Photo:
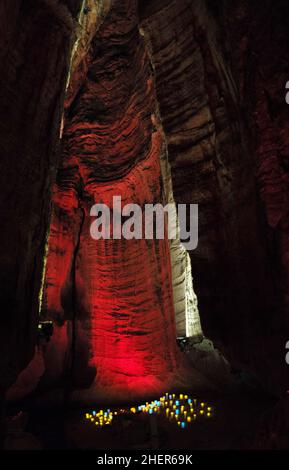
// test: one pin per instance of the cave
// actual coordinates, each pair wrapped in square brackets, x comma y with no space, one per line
[145,225]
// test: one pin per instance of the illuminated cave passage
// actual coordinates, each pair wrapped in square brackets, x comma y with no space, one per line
[157,102]
[112,301]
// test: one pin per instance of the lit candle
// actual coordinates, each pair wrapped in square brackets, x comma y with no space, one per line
[167,411]
[189,419]
[181,397]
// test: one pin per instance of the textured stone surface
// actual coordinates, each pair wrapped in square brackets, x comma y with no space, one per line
[116,294]
[204,65]
[221,101]
[34,55]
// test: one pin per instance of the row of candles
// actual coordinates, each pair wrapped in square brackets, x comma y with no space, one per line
[181,409]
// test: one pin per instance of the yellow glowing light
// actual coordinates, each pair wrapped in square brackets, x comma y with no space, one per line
[180,412]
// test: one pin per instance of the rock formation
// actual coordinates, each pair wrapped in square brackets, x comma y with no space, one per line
[167,101]
[112,300]
[35,44]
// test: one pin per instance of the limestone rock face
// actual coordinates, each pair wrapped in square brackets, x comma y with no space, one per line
[116,295]
[167,101]
[222,106]
[188,67]
[35,40]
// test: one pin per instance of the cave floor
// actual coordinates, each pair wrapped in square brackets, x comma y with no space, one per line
[233,426]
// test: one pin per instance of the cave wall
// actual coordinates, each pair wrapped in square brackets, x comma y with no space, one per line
[35,43]
[111,300]
[224,117]
[228,156]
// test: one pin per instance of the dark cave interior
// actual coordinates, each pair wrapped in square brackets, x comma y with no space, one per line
[175,101]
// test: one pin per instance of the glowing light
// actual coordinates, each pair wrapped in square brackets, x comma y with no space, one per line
[160,407]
